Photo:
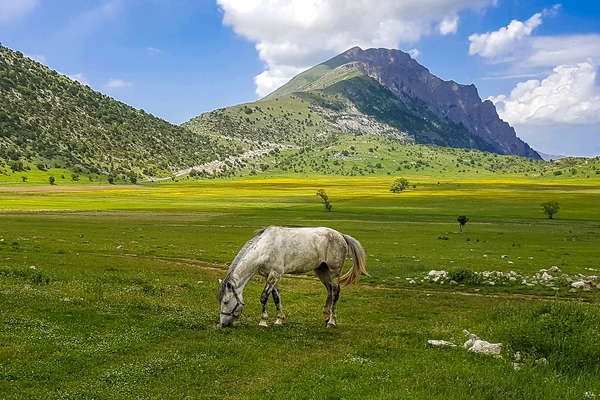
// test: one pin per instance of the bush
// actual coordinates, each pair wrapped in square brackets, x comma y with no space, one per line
[462,221]
[550,208]
[321,193]
[567,335]
[52,180]
[465,276]
[399,185]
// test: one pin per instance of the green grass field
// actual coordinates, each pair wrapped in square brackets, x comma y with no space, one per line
[109,292]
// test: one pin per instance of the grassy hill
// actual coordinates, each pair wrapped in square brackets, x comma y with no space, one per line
[49,121]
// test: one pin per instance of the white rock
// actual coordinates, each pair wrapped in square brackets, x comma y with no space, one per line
[476,345]
[541,361]
[503,256]
[440,343]
[517,366]
[593,277]
[32,267]
[578,284]
[434,273]
[412,282]
[554,268]
[546,277]
[510,262]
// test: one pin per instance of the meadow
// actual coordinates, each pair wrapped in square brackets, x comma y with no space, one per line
[109,291]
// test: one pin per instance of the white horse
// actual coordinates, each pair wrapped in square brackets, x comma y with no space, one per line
[277,250]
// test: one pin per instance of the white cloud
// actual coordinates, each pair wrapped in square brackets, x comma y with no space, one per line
[295,34]
[268,81]
[10,9]
[79,78]
[117,84]
[502,41]
[448,25]
[569,95]
[153,51]
[414,53]
[548,51]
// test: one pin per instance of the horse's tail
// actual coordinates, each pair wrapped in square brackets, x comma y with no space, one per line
[358,256]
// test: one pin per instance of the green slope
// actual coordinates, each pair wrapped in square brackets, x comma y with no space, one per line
[49,120]
[304,80]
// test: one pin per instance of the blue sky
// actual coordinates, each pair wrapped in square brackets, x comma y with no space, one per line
[177,59]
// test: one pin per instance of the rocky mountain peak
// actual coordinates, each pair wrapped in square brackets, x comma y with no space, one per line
[449,100]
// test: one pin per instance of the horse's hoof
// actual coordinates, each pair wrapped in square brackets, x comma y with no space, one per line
[278,321]
[263,323]
[330,325]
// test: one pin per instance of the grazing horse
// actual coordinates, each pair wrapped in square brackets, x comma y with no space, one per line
[277,250]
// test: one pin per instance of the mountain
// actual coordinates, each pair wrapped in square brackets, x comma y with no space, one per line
[395,89]
[550,157]
[47,120]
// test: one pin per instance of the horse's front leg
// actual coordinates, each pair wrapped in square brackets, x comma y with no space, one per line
[277,301]
[264,298]
[272,280]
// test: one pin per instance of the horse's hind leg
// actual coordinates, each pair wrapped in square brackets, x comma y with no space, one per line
[277,301]
[324,276]
[335,293]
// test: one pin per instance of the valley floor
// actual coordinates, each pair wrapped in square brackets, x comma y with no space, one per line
[109,291]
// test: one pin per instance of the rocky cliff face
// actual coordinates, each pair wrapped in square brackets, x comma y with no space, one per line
[448,100]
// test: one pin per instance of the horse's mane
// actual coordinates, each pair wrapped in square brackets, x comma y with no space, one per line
[235,263]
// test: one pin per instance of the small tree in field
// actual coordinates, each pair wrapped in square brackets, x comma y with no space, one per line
[52,180]
[462,221]
[399,185]
[321,193]
[550,208]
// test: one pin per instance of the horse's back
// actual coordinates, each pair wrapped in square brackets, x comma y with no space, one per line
[301,249]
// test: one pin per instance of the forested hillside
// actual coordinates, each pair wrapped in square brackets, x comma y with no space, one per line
[48,120]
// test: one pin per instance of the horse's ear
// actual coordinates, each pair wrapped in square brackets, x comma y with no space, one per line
[220,281]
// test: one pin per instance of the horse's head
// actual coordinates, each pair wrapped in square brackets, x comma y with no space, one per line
[232,302]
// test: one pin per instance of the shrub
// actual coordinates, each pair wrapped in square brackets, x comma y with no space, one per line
[550,208]
[462,221]
[465,276]
[399,185]
[566,335]
[321,193]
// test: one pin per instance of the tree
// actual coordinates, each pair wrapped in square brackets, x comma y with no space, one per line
[550,208]
[462,221]
[52,180]
[24,178]
[321,193]
[399,185]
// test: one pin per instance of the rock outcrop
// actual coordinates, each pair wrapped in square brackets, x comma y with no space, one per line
[448,100]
